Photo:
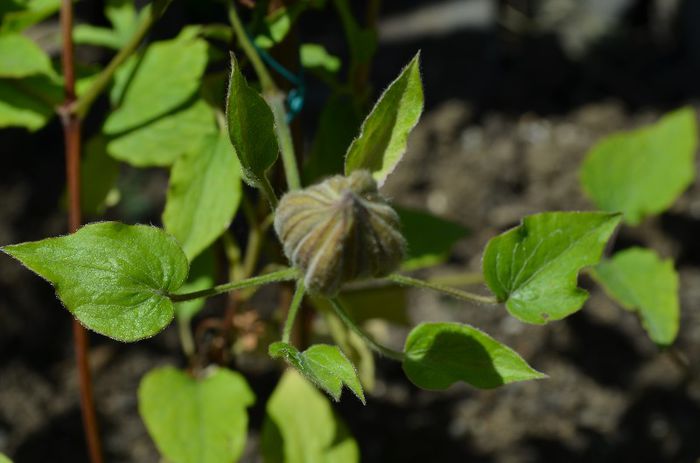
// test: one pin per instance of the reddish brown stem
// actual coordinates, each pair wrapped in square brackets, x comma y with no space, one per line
[71,130]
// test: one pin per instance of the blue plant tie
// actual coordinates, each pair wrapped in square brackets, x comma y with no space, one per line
[296,97]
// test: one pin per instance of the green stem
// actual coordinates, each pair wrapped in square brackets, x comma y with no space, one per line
[284,136]
[266,82]
[456,293]
[458,279]
[374,345]
[274,98]
[286,274]
[293,310]
[83,104]
[186,338]
[266,188]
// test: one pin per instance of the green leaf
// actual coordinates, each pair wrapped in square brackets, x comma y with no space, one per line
[203,195]
[430,238]
[300,426]
[352,346]
[389,303]
[98,176]
[4,459]
[640,281]
[534,266]
[324,365]
[123,16]
[202,276]
[166,139]
[114,278]
[167,76]
[21,57]
[278,23]
[440,354]
[31,12]
[384,133]
[340,119]
[251,127]
[196,420]
[28,102]
[642,172]
[314,55]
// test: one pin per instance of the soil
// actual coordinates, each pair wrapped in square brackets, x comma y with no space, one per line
[503,136]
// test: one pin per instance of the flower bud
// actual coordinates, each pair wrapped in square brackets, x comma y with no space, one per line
[338,231]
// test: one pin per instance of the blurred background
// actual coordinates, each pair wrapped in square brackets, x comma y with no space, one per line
[516,93]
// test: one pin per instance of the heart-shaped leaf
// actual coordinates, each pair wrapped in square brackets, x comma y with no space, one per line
[196,420]
[440,354]
[533,268]
[114,278]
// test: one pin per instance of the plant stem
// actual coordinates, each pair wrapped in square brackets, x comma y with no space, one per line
[71,129]
[286,144]
[83,104]
[374,345]
[266,82]
[274,98]
[293,310]
[266,187]
[456,293]
[286,274]
[186,338]
[458,279]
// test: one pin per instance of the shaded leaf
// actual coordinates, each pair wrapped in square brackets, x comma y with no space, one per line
[167,76]
[196,420]
[384,133]
[640,281]
[430,238]
[30,12]
[642,172]
[440,354]
[339,122]
[166,139]
[28,102]
[300,426]
[113,278]
[98,176]
[533,268]
[324,365]
[251,127]
[203,195]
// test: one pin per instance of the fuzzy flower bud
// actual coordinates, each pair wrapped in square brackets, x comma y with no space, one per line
[338,231]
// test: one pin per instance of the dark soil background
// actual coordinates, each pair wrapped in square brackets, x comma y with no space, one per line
[515,98]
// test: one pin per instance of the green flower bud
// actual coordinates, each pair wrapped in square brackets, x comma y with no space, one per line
[338,231]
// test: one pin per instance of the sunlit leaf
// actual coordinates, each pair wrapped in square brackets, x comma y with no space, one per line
[533,268]
[324,365]
[203,195]
[300,426]
[642,172]
[113,278]
[167,76]
[201,420]
[640,281]
[21,57]
[384,133]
